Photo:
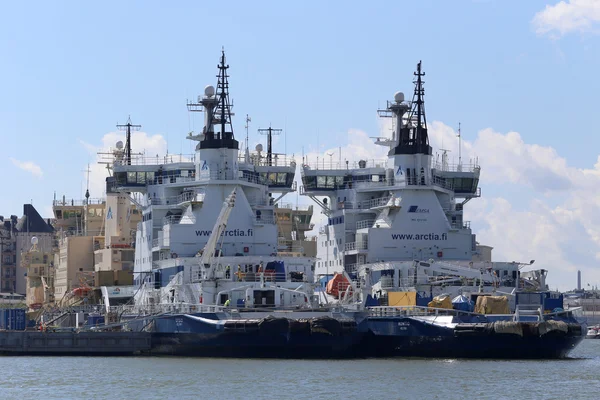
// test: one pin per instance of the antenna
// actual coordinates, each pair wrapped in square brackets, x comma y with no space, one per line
[87,188]
[330,154]
[224,107]
[128,127]
[444,159]
[247,126]
[269,132]
[459,150]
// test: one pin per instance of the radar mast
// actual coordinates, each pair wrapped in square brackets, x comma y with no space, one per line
[412,137]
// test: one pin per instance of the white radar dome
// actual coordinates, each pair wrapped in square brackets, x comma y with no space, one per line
[34,240]
[209,91]
[259,147]
[399,97]
[119,145]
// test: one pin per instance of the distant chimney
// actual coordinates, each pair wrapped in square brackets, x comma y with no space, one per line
[579,280]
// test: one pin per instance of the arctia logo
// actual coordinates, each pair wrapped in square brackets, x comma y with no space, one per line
[416,209]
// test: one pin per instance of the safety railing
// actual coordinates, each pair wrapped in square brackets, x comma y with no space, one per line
[165,308]
[336,164]
[461,225]
[364,224]
[256,276]
[186,196]
[291,206]
[346,205]
[356,246]
[526,312]
[353,267]
[408,311]
[73,202]
[264,220]
[262,160]
[179,219]
[378,202]
[446,167]
[156,160]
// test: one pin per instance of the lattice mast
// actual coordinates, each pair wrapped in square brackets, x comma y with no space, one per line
[128,128]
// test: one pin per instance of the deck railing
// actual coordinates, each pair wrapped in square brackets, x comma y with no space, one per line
[356,246]
[407,311]
[365,224]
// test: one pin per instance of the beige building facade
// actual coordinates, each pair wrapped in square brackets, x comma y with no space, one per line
[75,257]
[94,236]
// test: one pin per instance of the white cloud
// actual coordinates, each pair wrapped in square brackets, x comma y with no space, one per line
[28,166]
[150,146]
[560,229]
[568,16]
[506,158]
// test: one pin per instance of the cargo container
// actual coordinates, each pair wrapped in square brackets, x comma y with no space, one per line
[13,319]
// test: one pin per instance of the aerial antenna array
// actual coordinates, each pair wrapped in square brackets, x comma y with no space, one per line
[270,132]
[128,128]
[247,126]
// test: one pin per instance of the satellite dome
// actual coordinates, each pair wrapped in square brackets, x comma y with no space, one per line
[399,97]
[120,145]
[34,240]
[209,91]
[259,147]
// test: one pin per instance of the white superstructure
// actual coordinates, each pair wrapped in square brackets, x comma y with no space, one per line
[401,220]
[182,200]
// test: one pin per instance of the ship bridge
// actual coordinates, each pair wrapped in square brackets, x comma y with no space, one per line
[462,179]
[180,170]
[142,171]
[362,175]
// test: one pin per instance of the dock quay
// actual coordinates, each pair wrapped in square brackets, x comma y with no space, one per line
[74,343]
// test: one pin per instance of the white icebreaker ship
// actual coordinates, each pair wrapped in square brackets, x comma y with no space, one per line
[399,222]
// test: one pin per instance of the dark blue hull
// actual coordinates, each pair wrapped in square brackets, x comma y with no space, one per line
[267,338]
[256,346]
[412,338]
[205,335]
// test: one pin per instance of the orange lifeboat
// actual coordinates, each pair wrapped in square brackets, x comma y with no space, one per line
[338,284]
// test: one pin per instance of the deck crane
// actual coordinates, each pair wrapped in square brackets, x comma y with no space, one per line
[208,262]
[449,270]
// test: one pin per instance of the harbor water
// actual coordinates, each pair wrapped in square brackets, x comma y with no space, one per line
[197,378]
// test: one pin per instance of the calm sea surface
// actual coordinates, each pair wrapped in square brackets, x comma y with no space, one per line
[191,378]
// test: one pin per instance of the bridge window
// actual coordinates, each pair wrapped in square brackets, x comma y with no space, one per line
[272,178]
[281,178]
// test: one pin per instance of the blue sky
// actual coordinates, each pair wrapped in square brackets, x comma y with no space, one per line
[72,70]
